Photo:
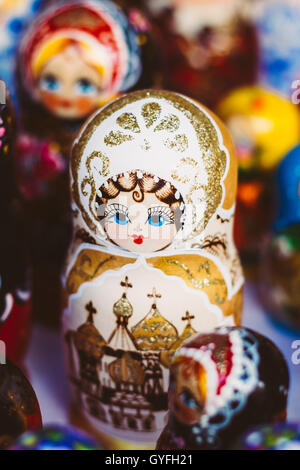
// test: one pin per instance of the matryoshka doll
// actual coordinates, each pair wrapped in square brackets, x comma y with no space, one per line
[19,408]
[15,305]
[152,261]
[280,263]
[222,383]
[208,47]
[73,59]
[264,126]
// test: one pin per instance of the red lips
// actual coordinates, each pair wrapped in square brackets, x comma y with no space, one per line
[138,240]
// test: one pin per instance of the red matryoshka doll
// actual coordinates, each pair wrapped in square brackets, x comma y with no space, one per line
[221,384]
[75,57]
[152,261]
[15,305]
[208,47]
[19,408]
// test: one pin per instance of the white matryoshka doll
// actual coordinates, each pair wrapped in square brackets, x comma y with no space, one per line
[154,178]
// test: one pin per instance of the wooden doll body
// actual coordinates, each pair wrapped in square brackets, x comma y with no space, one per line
[152,260]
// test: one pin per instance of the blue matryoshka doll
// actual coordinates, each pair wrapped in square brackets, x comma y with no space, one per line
[281,256]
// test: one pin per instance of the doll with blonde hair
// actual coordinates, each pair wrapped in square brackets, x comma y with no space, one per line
[75,58]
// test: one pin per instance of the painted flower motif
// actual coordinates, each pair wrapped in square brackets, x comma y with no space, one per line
[151,120]
[38,163]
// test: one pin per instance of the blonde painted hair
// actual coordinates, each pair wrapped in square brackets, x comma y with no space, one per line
[52,47]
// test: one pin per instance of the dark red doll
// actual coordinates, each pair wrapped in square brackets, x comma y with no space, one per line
[15,306]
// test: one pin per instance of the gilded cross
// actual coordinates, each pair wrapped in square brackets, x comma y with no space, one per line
[154,295]
[188,317]
[126,284]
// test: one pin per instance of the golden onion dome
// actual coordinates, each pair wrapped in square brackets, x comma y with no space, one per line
[87,339]
[123,308]
[154,332]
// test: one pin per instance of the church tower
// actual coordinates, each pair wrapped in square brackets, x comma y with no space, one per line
[154,332]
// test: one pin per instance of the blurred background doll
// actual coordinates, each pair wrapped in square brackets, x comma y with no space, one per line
[15,15]
[280,264]
[73,59]
[278,26]
[282,436]
[208,47]
[264,126]
[19,407]
[15,305]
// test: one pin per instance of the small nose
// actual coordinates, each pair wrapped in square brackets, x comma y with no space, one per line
[137,227]
[67,91]
[138,215]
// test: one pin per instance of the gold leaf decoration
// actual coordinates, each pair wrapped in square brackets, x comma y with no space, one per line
[116,138]
[151,113]
[103,158]
[183,165]
[170,123]
[179,143]
[128,122]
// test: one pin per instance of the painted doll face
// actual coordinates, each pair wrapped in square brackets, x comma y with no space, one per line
[141,227]
[68,86]
[187,391]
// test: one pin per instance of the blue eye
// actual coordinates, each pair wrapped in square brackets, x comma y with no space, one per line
[188,400]
[117,213]
[50,83]
[121,218]
[85,87]
[157,220]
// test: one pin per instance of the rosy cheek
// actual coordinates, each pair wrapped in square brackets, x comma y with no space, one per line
[168,232]
[50,100]
[116,232]
[85,105]
[187,414]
